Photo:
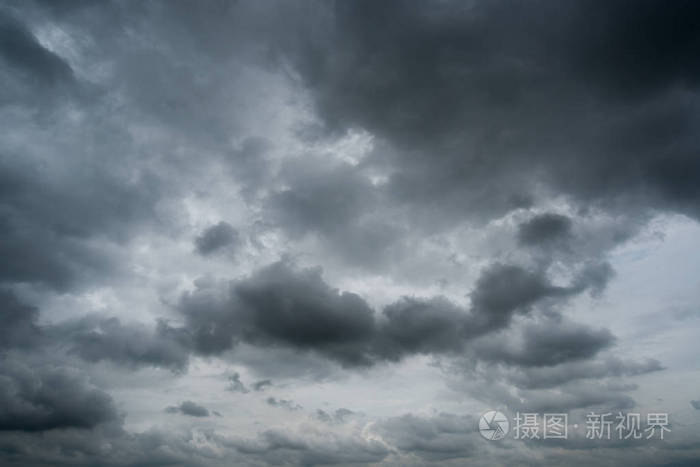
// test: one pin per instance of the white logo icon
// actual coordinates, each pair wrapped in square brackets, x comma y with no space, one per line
[493,425]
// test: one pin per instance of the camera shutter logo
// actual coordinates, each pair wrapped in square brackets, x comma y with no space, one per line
[493,425]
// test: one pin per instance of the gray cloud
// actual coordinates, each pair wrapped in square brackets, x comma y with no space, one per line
[188,408]
[20,327]
[262,384]
[283,403]
[591,394]
[276,446]
[215,238]
[46,398]
[338,416]
[547,344]
[133,345]
[280,306]
[29,68]
[471,107]
[556,375]
[544,229]
[236,385]
[437,438]
[561,129]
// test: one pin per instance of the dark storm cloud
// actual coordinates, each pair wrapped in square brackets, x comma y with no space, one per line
[19,322]
[412,326]
[503,289]
[547,344]
[695,404]
[596,103]
[130,344]
[437,326]
[287,308]
[20,48]
[28,67]
[76,183]
[544,228]
[110,117]
[45,398]
[215,238]
[189,408]
[282,306]
[304,312]
[54,218]
[277,306]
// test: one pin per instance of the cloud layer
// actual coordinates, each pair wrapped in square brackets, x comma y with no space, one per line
[310,233]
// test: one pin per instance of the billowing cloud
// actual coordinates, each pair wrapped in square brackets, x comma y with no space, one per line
[442,437]
[547,344]
[215,238]
[471,107]
[236,385]
[545,228]
[20,327]
[281,306]
[311,448]
[188,408]
[404,208]
[46,398]
[282,403]
[133,345]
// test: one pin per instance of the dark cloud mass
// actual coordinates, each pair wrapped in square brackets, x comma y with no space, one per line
[442,437]
[215,238]
[548,345]
[19,322]
[236,385]
[544,228]
[188,408]
[262,384]
[507,94]
[27,60]
[281,306]
[38,399]
[412,209]
[283,403]
[134,345]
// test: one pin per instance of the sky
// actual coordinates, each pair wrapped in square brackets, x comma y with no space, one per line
[309,233]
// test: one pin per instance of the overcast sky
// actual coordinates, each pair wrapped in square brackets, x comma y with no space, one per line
[334,233]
